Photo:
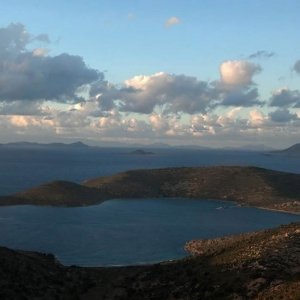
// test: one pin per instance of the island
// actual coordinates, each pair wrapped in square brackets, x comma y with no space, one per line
[251,186]
[141,152]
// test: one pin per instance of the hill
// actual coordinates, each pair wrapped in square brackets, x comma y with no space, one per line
[292,151]
[261,265]
[56,193]
[245,185]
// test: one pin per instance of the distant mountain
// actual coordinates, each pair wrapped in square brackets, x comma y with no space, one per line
[292,151]
[158,145]
[192,147]
[28,145]
[251,147]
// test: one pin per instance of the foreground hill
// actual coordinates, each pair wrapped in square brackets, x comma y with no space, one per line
[246,185]
[262,265]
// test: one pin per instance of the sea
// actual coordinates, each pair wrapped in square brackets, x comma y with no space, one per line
[124,231]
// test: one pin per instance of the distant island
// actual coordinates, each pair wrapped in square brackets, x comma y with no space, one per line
[141,152]
[249,186]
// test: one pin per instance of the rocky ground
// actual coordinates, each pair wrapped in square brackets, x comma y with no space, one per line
[261,265]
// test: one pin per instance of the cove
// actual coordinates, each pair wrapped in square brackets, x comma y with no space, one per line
[128,232]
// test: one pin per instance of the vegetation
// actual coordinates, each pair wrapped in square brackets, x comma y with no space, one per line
[245,185]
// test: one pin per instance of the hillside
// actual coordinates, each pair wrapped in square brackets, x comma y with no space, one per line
[294,150]
[261,265]
[57,193]
[245,185]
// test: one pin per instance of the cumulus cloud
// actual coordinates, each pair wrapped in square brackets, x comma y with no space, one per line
[261,54]
[172,93]
[285,97]
[240,97]
[172,21]
[256,117]
[22,108]
[236,84]
[32,75]
[28,123]
[40,52]
[238,72]
[282,115]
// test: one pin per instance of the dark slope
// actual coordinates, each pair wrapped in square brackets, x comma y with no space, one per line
[263,265]
[60,193]
[294,150]
[246,185]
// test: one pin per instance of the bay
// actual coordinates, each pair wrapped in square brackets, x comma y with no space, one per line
[127,232]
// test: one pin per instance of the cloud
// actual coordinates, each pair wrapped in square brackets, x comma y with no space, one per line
[22,108]
[27,122]
[285,97]
[256,117]
[297,66]
[261,54]
[40,52]
[282,115]
[170,93]
[172,21]
[175,93]
[241,98]
[236,84]
[238,72]
[32,75]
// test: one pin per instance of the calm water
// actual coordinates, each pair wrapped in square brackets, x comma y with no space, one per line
[122,232]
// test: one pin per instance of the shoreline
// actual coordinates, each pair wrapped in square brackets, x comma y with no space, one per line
[278,210]
[234,203]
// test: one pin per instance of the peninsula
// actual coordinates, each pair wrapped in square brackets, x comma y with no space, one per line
[249,186]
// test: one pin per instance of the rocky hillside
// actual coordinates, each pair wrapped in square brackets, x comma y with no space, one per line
[246,185]
[262,265]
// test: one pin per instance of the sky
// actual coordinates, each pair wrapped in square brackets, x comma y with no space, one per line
[214,73]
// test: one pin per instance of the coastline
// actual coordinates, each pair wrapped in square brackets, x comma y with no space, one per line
[279,210]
